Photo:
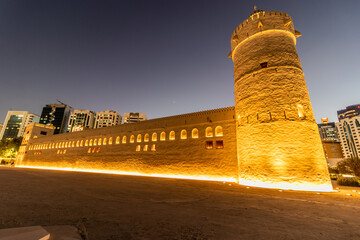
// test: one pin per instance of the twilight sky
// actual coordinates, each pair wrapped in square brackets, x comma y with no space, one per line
[161,57]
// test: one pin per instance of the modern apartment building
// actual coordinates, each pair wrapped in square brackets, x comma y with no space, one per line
[328,130]
[107,118]
[56,115]
[134,117]
[349,131]
[16,122]
[80,119]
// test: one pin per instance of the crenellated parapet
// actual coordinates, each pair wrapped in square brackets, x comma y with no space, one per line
[260,22]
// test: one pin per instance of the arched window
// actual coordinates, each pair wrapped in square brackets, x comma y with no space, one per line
[146,137]
[86,143]
[183,134]
[104,141]
[69,144]
[56,145]
[132,139]
[172,135]
[117,140]
[66,144]
[138,148]
[95,142]
[110,140]
[77,143]
[195,133]
[301,111]
[93,150]
[124,139]
[219,131]
[73,144]
[154,137]
[89,150]
[81,143]
[99,141]
[209,132]
[91,142]
[98,149]
[162,136]
[138,139]
[153,148]
[146,147]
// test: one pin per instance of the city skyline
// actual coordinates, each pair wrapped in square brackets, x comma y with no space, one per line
[160,58]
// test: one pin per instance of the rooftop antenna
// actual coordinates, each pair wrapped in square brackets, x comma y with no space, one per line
[60,101]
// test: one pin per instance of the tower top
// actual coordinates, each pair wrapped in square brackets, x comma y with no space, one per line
[256,10]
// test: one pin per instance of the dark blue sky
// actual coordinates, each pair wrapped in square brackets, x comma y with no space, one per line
[161,57]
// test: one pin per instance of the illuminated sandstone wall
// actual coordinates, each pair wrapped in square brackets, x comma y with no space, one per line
[278,143]
[185,157]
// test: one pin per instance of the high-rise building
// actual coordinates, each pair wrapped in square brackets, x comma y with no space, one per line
[56,115]
[16,122]
[107,118]
[349,130]
[349,112]
[134,117]
[328,130]
[80,119]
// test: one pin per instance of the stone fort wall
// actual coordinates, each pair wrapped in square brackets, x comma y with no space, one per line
[201,145]
[278,143]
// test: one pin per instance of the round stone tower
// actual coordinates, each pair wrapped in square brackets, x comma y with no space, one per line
[278,142]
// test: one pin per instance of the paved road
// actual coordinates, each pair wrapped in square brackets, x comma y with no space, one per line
[124,207]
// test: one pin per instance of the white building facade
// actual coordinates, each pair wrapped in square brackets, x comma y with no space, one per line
[134,117]
[107,118]
[80,119]
[16,122]
[349,133]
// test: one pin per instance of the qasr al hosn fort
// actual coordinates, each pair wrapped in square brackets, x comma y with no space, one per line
[269,139]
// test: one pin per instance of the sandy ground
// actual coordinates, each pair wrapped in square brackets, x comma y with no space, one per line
[125,207]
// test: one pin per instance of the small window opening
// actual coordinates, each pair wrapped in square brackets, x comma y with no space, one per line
[209,132]
[172,135]
[209,145]
[300,111]
[264,65]
[195,133]
[219,144]
[154,137]
[146,137]
[163,136]
[219,131]
[183,134]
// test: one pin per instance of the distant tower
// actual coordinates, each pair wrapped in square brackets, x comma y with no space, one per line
[278,142]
